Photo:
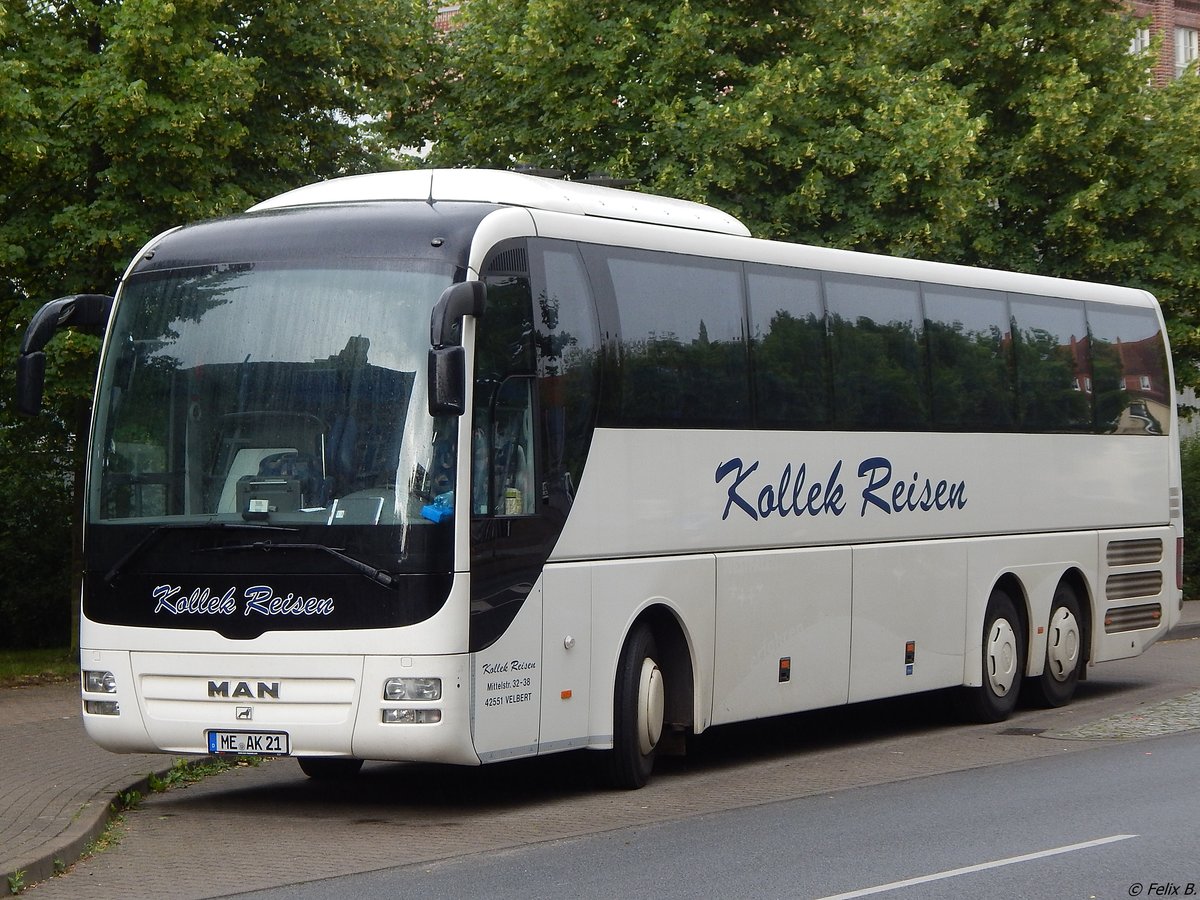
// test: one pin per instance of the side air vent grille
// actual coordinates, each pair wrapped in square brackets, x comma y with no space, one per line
[1133,553]
[508,262]
[1133,618]
[1133,584]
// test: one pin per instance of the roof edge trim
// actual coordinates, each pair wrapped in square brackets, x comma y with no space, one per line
[510,189]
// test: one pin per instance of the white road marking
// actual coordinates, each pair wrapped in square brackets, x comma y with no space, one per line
[967,870]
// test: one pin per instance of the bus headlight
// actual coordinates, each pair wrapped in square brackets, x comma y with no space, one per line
[99,682]
[412,689]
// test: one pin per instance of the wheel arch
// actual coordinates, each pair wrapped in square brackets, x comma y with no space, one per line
[676,663]
[1078,582]
[1011,585]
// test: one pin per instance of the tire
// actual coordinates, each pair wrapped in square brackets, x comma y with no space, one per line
[329,768]
[639,701]
[1002,663]
[1064,652]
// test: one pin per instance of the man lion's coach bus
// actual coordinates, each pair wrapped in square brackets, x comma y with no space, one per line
[464,466]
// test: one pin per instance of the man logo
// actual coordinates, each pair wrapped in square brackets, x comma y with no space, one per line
[263,691]
[244,713]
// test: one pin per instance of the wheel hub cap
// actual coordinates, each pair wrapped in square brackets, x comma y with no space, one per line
[1062,644]
[651,703]
[1001,657]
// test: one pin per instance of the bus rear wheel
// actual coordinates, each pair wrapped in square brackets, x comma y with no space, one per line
[1002,664]
[639,704]
[329,768]
[1064,652]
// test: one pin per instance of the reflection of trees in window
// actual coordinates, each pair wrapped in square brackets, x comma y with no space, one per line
[682,358]
[694,383]
[184,296]
[567,378]
[972,381]
[789,347]
[1053,364]
[877,352]
[877,374]
[1111,398]
[504,338]
[791,372]
[1048,380]
[504,348]
[567,360]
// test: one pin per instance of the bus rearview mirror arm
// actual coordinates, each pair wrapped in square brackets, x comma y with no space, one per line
[86,312]
[448,359]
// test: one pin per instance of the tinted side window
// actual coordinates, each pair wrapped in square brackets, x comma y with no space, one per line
[567,358]
[878,353]
[504,361]
[1129,371]
[788,346]
[682,357]
[970,359]
[1053,366]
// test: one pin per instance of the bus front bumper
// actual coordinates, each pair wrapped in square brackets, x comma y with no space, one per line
[410,708]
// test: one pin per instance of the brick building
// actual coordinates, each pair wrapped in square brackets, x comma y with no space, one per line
[1178,22]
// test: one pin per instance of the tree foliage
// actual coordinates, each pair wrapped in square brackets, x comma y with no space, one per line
[776,115]
[121,118]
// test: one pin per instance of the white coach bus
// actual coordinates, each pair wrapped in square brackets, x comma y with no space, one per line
[463,466]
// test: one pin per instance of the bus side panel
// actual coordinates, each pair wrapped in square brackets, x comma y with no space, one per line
[506,685]
[685,585]
[908,618]
[566,657]
[775,606]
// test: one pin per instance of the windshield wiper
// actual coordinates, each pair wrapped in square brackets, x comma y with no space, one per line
[157,532]
[387,579]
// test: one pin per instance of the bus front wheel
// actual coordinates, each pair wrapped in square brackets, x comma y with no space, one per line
[639,703]
[1002,661]
[1064,652]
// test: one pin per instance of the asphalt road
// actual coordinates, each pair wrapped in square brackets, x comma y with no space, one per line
[1116,821]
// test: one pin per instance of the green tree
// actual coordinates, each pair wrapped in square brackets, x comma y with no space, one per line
[777,116]
[121,118]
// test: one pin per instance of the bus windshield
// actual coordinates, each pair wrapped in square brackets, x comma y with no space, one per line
[289,394]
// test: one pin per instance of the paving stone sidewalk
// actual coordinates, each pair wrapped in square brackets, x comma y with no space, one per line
[55,784]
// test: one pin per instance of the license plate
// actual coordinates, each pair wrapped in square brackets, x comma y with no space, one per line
[248,743]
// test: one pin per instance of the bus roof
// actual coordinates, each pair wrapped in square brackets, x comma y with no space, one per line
[510,189]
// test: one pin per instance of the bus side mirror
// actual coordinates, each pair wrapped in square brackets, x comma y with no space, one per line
[447,381]
[87,312]
[447,359]
[467,298]
[31,378]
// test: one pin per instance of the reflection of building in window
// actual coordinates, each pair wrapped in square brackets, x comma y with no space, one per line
[1142,383]
[1141,363]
